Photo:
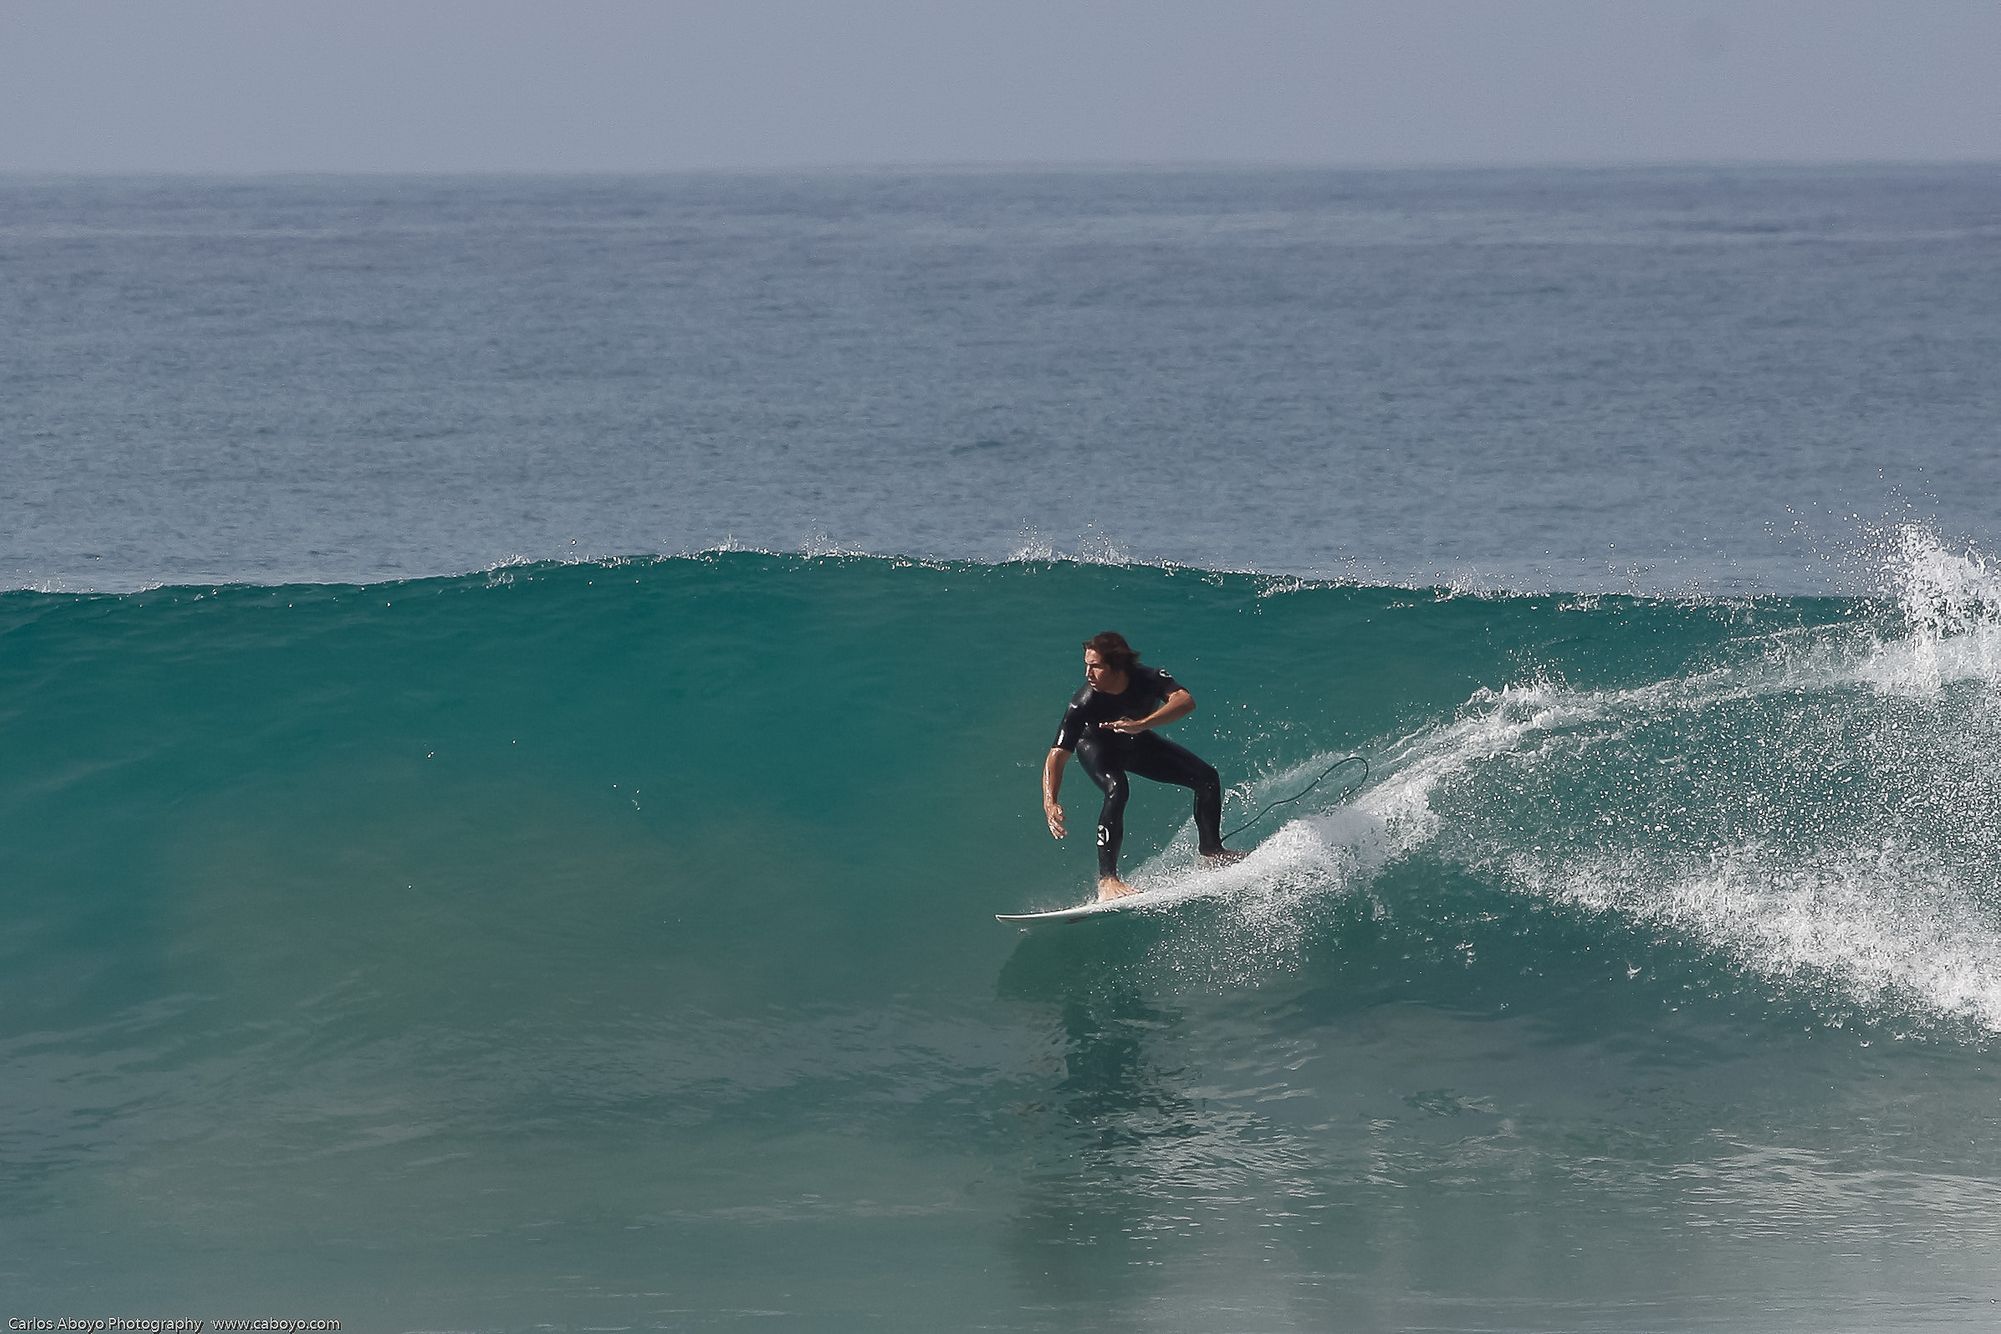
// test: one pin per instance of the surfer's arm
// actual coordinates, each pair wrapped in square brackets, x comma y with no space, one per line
[1052,783]
[1177,705]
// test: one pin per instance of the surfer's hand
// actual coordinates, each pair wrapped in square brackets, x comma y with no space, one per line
[1054,814]
[1125,726]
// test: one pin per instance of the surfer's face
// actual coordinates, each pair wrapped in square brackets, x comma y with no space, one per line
[1102,675]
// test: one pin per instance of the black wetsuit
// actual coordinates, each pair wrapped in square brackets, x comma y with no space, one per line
[1109,756]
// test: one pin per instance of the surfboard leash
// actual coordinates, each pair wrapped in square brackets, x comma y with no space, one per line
[1287,801]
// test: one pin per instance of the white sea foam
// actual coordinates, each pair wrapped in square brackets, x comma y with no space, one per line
[1819,809]
[1883,922]
[1950,604]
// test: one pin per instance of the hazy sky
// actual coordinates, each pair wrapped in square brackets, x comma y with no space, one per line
[498,85]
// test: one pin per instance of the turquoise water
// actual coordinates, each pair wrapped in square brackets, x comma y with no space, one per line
[520,700]
[610,945]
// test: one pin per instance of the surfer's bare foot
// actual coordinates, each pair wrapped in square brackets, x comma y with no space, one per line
[1111,887]
[1223,857]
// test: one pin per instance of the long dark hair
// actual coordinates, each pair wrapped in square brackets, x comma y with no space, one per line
[1113,651]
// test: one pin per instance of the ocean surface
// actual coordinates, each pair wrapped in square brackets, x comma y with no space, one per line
[520,699]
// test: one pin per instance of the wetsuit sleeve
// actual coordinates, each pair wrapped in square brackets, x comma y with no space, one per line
[1160,685]
[1071,729]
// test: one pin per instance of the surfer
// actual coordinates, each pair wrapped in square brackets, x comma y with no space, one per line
[1110,725]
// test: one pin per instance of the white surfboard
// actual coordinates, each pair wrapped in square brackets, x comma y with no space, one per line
[1078,913]
[1198,884]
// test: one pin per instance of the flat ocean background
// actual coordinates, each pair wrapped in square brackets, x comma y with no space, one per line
[519,699]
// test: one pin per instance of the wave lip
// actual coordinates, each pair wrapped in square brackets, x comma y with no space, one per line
[1950,608]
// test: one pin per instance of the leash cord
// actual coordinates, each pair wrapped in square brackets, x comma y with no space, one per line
[1345,760]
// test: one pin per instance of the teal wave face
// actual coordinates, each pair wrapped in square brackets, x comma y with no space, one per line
[656,897]
[775,754]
